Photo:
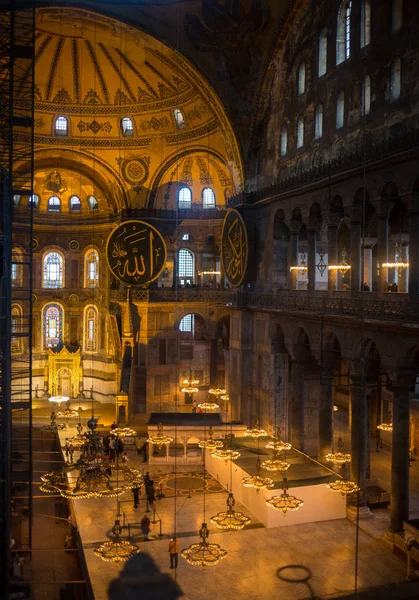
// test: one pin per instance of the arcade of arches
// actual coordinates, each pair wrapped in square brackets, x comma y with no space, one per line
[319,343]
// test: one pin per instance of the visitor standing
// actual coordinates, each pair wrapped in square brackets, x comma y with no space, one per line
[150,491]
[144,451]
[174,552]
[145,527]
[136,496]
[194,406]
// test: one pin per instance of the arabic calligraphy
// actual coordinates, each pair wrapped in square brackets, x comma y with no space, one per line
[234,247]
[136,252]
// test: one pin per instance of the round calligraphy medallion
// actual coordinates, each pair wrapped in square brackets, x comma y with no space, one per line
[234,247]
[134,171]
[136,252]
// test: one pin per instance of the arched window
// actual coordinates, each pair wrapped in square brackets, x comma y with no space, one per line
[301,79]
[61,126]
[16,324]
[186,267]
[365,23]
[343,35]
[187,324]
[300,132]
[91,269]
[366,95]
[340,110]
[33,200]
[90,329]
[54,204]
[284,141]
[395,79]
[127,126]
[322,58]
[396,15]
[93,205]
[53,270]
[318,122]
[208,198]
[75,204]
[185,237]
[16,200]
[185,198]
[16,274]
[179,118]
[53,325]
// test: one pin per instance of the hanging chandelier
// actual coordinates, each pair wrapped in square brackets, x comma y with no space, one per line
[68,413]
[385,426]
[216,391]
[91,476]
[116,550]
[203,553]
[343,266]
[255,432]
[160,439]
[256,481]
[190,385]
[53,427]
[210,444]
[398,264]
[277,445]
[58,399]
[339,458]
[302,267]
[123,432]
[226,455]
[335,408]
[225,397]
[79,439]
[275,464]
[284,502]
[343,486]
[230,519]
[208,406]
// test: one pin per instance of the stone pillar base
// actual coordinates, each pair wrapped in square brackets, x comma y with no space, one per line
[364,512]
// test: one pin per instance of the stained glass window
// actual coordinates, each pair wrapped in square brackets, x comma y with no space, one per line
[343,36]
[91,269]
[90,331]
[53,270]
[16,328]
[53,325]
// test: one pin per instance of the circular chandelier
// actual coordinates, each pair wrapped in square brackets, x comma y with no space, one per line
[58,399]
[225,397]
[230,519]
[284,502]
[123,432]
[203,553]
[116,550]
[339,458]
[335,408]
[256,481]
[217,391]
[208,406]
[226,455]
[255,432]
[277,445]
[385,426]
[53,427]
[190,385]
[275,464]
[160,439]
[343,486]
[210,444]
[189,390]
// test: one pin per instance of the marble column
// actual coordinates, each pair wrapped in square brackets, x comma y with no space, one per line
[382,207]
[358,501]
[297,402]
[326,412]
[332,242]
[198,267]
[355,256]
[311,260]
[399,506]
[413,250]
[213,363]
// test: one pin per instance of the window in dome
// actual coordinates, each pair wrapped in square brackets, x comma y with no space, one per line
[340,110]
[318,122]
[33,200]
[343,36]
[61,126]
[395,79]
[208,198]
[284,141]
[365,23]
[93,205]
[185,198]
[179,118]
[54,204]
[322,58]
[75,204]
[53,325]
[301,79]
[53,270]
[91,269]
[187,323]
[16,325]
[366,95]
[397,15]
[300,132]
[127,126]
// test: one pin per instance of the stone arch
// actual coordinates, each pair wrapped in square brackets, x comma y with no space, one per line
[281,231]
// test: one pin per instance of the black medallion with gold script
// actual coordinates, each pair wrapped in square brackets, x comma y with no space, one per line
[234,247]
[136,252]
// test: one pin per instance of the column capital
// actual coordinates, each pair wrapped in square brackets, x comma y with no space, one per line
[328,360]
[295,226]
[382,206]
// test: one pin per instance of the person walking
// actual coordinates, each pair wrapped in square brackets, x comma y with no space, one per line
[194,406]
[112,450]
[174,552]
[145,527]
[136,495]
[146,479]
[151,494]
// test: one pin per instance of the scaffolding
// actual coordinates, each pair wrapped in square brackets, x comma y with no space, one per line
[17,86]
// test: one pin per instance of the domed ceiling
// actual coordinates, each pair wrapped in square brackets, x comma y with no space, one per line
[95,71]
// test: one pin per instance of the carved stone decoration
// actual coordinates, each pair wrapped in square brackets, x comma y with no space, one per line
[94,126]
[134,171]
[74,299]
[73,245]
[230,31]
[234,247]
[136,252]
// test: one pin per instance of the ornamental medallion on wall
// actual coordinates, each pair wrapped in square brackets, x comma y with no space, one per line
[136,253]
[234,247]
